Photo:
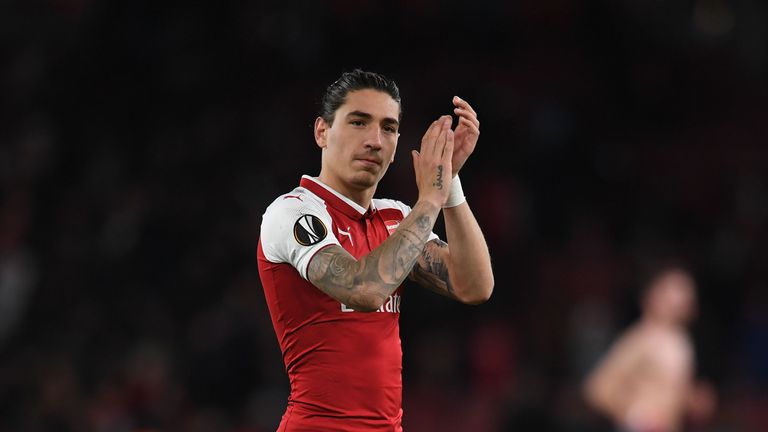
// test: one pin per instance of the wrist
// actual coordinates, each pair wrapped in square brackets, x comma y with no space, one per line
[430,206]
[456,195]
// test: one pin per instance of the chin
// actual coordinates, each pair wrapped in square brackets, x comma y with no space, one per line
[364,180]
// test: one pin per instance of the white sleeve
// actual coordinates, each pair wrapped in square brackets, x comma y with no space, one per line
[294,229]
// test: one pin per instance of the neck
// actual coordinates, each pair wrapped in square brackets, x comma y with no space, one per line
[362,196]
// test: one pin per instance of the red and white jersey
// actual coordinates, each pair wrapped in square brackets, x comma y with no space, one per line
[344,366]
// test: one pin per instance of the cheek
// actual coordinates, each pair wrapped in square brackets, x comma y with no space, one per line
[392,148]
[336,142]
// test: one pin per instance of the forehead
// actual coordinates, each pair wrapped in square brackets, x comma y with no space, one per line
[374,102]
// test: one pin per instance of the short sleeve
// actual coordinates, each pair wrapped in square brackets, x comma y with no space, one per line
[293,229]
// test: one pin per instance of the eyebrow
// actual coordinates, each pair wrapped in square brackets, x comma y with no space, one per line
[367,116]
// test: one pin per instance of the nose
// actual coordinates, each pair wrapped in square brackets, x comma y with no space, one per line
[373,138]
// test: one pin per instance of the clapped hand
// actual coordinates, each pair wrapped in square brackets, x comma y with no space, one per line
[432,163]
[466,134]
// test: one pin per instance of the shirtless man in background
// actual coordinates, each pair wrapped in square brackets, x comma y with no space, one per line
[645,381]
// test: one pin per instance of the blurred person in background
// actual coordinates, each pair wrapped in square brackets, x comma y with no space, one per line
[645,382]
[332,258]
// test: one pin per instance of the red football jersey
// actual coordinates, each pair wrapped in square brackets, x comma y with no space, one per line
[344,366]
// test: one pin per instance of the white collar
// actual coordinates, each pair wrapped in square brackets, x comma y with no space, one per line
[351,203]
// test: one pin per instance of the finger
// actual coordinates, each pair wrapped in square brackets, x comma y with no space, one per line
[462,113]
[448,121]
[440,142]
[448,152]
[461,103]
[448,124]
[428,141]
[474,128]
[468,145]
[415,154]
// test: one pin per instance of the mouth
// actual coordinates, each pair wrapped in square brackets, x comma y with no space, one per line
[371,162]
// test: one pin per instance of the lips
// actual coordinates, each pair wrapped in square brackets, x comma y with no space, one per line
[370,160]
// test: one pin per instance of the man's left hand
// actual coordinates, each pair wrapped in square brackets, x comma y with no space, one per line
[466,134]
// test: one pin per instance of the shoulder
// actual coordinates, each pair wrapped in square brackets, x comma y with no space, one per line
[297,198]
[298,207]
[293,227]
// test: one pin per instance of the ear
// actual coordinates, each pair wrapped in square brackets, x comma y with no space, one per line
[321,132]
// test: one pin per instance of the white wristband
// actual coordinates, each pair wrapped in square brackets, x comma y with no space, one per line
[456,196]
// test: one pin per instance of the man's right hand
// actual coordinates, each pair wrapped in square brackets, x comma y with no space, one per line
[432,163]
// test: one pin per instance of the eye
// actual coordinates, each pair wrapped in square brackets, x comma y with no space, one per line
[357,123]
[390,129]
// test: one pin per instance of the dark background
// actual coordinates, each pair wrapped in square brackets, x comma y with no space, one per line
[141,141]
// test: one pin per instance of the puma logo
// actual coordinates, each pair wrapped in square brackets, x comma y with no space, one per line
[346,233]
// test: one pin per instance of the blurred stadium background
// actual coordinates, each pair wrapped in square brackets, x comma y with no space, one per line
[141,141]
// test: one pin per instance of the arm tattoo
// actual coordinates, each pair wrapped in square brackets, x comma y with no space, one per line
[364,284]
[431,270]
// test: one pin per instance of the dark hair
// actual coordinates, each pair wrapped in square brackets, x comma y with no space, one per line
[336,93]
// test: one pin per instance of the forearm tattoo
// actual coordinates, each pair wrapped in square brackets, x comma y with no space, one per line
[431,270]
[361,284]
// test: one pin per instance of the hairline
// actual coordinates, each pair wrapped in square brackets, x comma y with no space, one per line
[346,99]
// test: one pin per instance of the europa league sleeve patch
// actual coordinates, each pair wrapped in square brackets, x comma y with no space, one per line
[309,230]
